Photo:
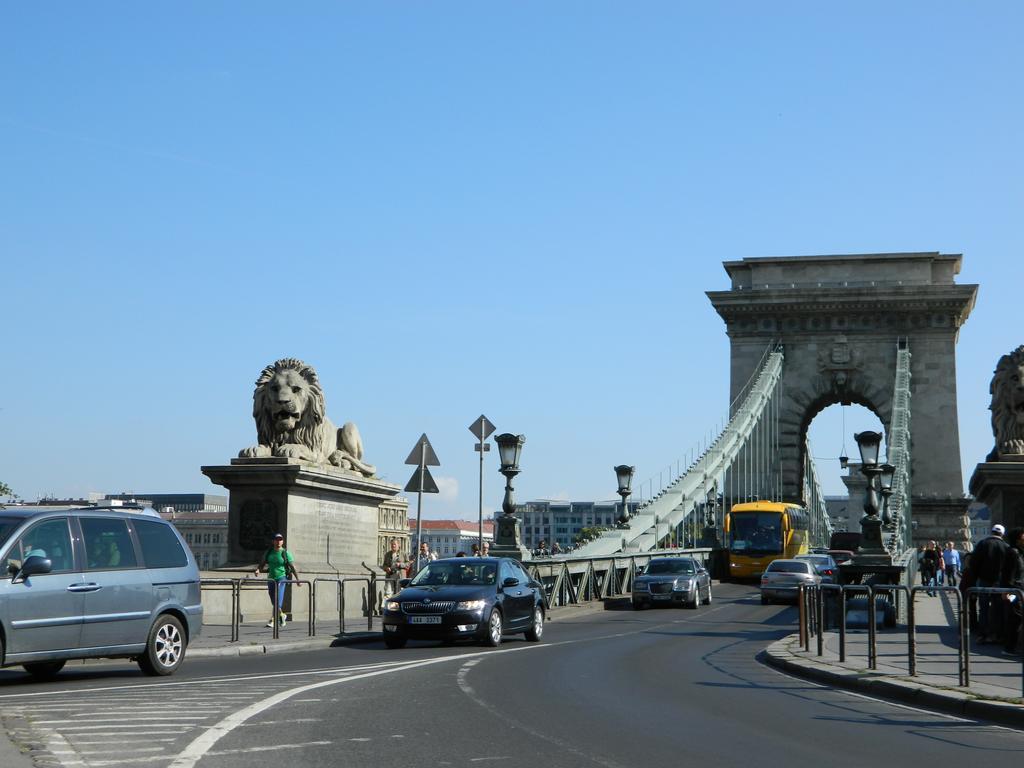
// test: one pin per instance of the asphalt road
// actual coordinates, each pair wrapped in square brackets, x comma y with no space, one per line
[614,689]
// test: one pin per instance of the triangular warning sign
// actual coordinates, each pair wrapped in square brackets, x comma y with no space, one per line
[429,486]
[423,451]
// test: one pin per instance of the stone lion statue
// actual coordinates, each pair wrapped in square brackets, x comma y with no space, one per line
[291,421]
[1007,406]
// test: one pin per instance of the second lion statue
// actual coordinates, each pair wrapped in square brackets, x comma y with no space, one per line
[1007,406]
[291,421]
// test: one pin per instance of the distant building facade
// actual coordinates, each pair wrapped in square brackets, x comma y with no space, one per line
[449,537]
[555,520]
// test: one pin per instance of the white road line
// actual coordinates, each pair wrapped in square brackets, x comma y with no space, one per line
[204,684]
[220,753]
[153,718]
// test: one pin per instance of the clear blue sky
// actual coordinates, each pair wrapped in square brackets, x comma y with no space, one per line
[461,208]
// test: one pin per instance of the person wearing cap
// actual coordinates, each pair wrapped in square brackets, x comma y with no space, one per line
[280,563]
[986,567]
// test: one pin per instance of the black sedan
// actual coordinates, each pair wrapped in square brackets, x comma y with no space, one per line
[480,598]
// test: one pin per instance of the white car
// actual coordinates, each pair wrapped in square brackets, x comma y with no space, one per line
[782,579]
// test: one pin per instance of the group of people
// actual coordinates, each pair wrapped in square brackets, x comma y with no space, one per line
[940,565]
[998,561]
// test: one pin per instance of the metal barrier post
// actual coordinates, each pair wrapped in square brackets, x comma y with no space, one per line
[802,617]
[842,624]
[872,629]
[899,589]
[819,608]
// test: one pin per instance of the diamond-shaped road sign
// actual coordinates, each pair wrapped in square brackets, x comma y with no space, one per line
[428,484]
[482,427]
[427,457]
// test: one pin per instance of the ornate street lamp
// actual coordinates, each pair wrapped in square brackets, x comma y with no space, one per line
[624,477]
[871,547]
[506,540]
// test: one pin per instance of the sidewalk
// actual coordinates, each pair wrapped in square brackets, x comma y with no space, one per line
[994,692]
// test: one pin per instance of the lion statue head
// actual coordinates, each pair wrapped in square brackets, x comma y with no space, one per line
[1007,406]
[291,420]
[288,405]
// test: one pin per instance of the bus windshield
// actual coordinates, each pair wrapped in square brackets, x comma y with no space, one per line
[756,533]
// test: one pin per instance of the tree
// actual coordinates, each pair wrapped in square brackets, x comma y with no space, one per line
[588,533]
[5,489]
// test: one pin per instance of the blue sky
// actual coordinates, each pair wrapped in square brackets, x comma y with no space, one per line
[461,208]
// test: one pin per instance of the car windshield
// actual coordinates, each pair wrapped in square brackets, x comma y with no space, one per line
[789,566]
[669,566]
[454,573]
[755,533]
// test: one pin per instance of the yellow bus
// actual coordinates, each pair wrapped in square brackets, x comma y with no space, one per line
[758,532]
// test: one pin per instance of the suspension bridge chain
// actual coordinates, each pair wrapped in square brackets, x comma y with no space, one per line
[741,463]
[898,454]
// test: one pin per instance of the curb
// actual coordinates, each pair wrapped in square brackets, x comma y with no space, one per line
[900,690]
[332,641]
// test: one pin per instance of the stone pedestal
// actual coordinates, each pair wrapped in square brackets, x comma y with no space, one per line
[941,519]
[507,542]
[1000,486]
[329,517]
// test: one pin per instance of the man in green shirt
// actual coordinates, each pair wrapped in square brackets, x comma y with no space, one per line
[279,563]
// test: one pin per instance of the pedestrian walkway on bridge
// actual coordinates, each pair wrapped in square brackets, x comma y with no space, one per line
[995,692]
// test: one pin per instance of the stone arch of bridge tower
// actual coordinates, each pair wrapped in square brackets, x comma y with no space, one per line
[838,319]
[805,398]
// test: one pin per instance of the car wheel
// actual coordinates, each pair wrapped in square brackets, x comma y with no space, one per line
[765,600]
[493,636]
[696,599]
[44,670]
[708,601]
[395,641]
[637,605]
[533,634]
[165,648]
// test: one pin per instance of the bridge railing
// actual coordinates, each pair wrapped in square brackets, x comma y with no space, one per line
[571,580]
[819,612]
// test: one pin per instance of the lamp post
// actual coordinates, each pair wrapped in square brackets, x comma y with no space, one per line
[871,550]
[506,540]
[624,477]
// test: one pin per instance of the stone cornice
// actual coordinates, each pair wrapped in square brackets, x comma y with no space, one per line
[904,300]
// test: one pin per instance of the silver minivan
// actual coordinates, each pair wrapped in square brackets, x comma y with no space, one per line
[95,582]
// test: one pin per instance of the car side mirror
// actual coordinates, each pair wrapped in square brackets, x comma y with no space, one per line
[510,581]
[36,564]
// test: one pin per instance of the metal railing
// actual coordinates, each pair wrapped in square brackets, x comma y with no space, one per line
[370,597]
[231,584]
[574,581]
[812,611]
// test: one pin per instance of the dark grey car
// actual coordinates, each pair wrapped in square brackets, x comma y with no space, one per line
[672,581]
[95,582]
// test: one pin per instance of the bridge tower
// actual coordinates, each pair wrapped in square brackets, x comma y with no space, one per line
[839,319]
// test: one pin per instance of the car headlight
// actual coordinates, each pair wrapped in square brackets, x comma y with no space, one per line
[392,605]
[683,585]
[470,605]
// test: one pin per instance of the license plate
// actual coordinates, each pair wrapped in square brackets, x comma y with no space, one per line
[424,619]
[662,597]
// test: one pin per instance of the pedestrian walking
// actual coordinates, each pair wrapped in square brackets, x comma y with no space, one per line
[986,567]
[1013,577]
[486,551]
[280,564]
[929,567]
[394,566]
[951,564]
